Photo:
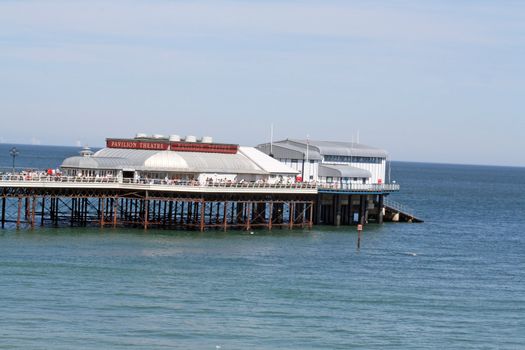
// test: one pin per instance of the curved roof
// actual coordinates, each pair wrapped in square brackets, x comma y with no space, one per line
[164,160]
[343,171]
[189,162]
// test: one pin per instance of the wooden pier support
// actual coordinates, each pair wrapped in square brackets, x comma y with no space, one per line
[362,210]
[81,207]
[337,210]
[203,211]
[380,208]
[19,212]
[3,210]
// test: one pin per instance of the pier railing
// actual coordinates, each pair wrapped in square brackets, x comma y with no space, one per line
[338,187]
[115,180]
[399,207]
[323,187]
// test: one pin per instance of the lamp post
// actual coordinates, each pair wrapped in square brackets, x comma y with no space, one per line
[14,152]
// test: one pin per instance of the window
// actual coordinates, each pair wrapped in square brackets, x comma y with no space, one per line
[329,179]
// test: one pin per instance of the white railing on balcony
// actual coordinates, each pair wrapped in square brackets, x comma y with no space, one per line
[359,187]
[335,187]
[115,180]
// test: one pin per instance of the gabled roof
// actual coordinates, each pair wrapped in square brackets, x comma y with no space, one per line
[283,150]
[296,148]
[269,164]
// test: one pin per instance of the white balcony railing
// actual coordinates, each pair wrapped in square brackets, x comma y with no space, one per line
[334,187]
[358,187]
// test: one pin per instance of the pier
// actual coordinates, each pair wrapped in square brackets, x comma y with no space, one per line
[111,202]
[154,181]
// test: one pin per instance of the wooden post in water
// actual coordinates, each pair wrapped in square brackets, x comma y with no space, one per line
[359,229]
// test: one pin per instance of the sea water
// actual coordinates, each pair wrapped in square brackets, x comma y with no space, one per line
[456,281]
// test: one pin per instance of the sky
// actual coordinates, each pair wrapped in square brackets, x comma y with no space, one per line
[429,81]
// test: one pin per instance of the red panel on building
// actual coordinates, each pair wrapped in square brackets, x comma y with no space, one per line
[133,144]
[174,146]
[204,147]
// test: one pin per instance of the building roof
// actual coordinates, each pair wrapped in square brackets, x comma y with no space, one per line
[343,171]
[295,148]
[247,161]
[268,164]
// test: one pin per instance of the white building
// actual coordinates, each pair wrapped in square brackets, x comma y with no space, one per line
[163,158]
[331,162]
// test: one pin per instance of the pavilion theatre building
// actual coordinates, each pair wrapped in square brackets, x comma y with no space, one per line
[178,159]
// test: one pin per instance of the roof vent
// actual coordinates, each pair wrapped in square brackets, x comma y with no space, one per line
[191,138]
[174,138]
[141,136]
[207,139]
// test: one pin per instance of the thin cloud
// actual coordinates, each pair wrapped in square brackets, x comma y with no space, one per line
[140,19]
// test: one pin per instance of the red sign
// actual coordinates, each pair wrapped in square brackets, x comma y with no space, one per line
[204,147]
[132,144]
[174,146]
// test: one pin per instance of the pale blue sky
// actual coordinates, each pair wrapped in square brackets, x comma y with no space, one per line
[439,81]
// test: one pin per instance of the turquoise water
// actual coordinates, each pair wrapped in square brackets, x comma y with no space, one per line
[456,281]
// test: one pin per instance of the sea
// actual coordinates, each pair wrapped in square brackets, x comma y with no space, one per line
[456,281]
